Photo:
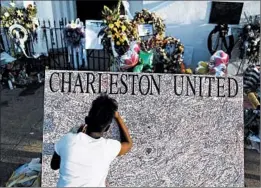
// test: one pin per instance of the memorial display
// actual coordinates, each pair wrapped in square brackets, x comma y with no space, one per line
[24,16]
[146,30]
[74,34]
[186,130]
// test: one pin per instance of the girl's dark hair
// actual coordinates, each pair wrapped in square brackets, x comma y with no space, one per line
[101,113]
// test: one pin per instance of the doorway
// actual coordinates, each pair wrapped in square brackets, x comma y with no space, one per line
[91,10]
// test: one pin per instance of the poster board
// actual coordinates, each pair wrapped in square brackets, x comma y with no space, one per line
[226,13]
[145,30]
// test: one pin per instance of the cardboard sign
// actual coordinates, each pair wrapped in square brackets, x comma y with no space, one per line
[187,130]
[145,30]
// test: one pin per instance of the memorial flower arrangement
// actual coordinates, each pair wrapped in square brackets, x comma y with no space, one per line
[74,33]
[24,16]
[121,35]
[169,51]
[118,30]
[173,49]
[146,17]
[251,40]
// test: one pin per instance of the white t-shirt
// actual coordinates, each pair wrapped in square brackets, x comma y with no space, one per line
[85,161]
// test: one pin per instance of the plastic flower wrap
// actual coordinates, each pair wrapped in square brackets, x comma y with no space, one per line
[74,33]
[218,63]
[130,58]
[24,16]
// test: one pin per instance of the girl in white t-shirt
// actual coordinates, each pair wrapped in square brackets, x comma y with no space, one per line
[83,159]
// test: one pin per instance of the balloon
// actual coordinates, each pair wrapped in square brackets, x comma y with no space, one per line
[146,58]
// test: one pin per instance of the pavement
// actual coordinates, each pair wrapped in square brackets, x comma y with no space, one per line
[21,129]
[21,134]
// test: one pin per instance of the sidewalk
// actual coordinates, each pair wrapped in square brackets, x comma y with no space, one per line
[21,129]
[21,135]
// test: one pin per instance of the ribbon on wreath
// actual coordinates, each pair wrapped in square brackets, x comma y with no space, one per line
[19,35]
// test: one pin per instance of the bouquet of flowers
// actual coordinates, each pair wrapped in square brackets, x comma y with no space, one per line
[74,33]
[24,16]
[118,30]
[251,40]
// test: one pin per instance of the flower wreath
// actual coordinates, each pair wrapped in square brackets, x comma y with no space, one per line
[146,17]
[170,51]
[25,17]
[20,35]
[74,33]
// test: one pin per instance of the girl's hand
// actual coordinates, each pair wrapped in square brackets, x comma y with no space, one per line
[116,115]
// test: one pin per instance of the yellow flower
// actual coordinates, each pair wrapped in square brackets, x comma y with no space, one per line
[124,37]
[19,13]
[117,35]
[115,29]
[117,24]
[118,43]
[111,26]
[123,28]
[6,14]
[28,25]
[12,4]
[122,40]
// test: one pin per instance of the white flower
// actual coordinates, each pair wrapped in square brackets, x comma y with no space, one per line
[73,25]
[12,4]
[19,13]
[6,14]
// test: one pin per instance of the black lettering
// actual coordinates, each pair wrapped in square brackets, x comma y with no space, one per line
[148,86]
[220,86]
[68,82]
[124,84]
[113,83]
[200,86]
[100,83]
[90,82]
[51,82]
[78,85]
[229,87]
[209,86]
[155,84]
[175,86]
[189,83]
[133,83]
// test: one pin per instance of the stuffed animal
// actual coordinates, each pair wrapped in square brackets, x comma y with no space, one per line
[202,67]
[218,63]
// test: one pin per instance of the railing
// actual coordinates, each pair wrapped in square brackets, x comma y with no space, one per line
[51,49]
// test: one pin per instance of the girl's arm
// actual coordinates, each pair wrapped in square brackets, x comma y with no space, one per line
[126,142]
